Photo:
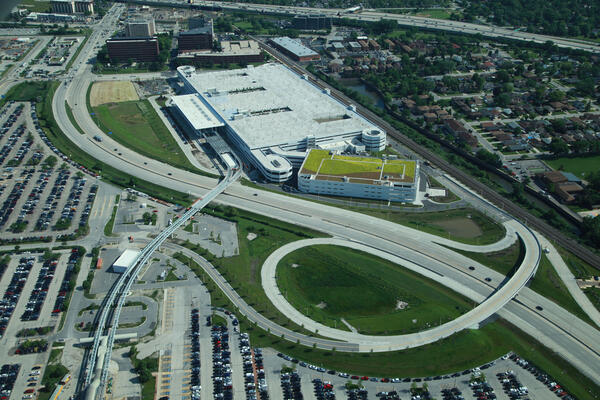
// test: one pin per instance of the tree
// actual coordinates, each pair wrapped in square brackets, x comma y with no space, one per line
[559,146]
[490,158]
[503,99]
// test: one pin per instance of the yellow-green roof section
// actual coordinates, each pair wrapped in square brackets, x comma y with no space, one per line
[328,165]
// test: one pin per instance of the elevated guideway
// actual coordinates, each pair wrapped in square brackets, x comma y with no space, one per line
[99,356]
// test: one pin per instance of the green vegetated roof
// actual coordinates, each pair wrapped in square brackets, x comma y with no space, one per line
[321,162]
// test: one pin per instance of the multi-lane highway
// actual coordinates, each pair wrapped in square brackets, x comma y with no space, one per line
[404,20]
[572,338]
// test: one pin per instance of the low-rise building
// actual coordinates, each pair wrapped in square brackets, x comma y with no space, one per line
[235,51]
[326,172]
[125,261]
[311,22]
[294,49]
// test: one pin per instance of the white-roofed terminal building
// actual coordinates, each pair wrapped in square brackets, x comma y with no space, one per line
[272,116]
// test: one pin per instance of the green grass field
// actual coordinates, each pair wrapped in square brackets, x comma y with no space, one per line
[136,125]
[328,283]
[490,231]
[579,166]
[433,13]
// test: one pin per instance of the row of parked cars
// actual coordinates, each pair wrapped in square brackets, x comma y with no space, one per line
[8,206]
[13,291]
[254,369]
[542,377]
[357,394]
[45,217]
[373,379]
[482,390]
[21,152]
[391,395]
[8,376]
[14,137]
[452,394]
[222,385]
[39,292]
[195,373]
[291,386]
[511,385]
[67,283]
[323,389]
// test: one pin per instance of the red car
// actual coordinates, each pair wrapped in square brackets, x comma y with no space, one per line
[364,378]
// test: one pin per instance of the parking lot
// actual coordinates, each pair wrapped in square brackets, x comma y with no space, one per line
[33,287]
[42,197]
[507,378]
[53,58]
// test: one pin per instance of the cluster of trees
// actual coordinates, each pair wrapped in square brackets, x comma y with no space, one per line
[591,231]
[488,157]
[555,17]
[591,193]
[32,346]
[42,330]
[145,367]
[55,29]
[149,218]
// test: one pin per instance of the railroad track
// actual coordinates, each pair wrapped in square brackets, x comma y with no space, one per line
[484,191]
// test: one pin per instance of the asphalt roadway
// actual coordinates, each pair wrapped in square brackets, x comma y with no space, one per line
[404,20]
[574,346]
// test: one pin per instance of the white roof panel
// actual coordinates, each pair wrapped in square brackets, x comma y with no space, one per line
[196,112]
[270,105]
[126,259]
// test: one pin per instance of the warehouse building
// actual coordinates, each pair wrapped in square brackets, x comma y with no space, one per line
[236,51]
[327,173]
[272,116]
[294,49]
[122,49]
[125,261]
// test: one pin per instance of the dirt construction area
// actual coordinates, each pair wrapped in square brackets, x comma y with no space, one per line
[112,92]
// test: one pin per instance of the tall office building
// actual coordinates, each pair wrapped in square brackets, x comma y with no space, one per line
[197,38]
